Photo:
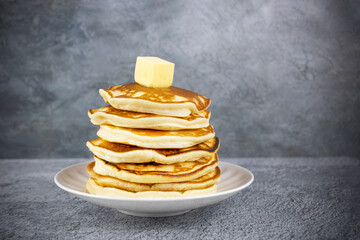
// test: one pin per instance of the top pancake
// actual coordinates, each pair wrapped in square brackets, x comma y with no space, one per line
[171,101]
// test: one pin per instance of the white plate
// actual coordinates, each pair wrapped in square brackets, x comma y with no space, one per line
[233,179]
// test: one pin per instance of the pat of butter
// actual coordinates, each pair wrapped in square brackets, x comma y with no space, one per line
[154,72]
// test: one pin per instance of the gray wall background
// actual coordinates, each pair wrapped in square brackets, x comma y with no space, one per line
[283,76]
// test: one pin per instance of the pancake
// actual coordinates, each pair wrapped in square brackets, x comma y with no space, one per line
[154,138]
[156,173]
[202,182]
[93,188]
[118,152]
[171,101]
[121,118]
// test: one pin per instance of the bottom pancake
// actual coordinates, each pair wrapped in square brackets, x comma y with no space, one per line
[198,183]
[93,188]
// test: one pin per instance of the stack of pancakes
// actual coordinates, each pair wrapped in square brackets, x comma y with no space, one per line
[154,142]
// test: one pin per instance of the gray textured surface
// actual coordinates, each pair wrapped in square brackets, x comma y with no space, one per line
[283,76]
[301,198]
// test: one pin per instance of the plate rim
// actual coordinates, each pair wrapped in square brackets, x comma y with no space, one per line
[211,195]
